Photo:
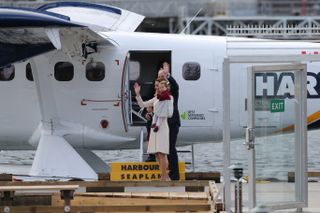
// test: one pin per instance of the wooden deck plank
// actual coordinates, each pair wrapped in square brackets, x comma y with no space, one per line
[164,211]
[198,196]
[39,187]
[115,208]
[82,200]
[163,195]
[105,183]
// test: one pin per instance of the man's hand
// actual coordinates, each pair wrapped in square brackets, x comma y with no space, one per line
[162,74]
[166,68]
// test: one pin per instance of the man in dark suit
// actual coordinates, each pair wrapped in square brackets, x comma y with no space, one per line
[173,122]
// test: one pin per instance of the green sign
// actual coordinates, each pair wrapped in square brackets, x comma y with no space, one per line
[277,105]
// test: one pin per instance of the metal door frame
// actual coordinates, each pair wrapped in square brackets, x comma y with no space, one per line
[125,94]
[240,59]
[300,73]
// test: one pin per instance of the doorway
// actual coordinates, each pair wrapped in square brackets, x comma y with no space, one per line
[297,105]
[143,68]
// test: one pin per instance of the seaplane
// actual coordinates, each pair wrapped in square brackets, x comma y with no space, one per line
[66,77]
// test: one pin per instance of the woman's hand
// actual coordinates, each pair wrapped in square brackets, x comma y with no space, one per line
[137,88]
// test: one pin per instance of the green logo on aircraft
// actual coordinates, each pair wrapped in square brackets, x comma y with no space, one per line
[184,116]
[192,115]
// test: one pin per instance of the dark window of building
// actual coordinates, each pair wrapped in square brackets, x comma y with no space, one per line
[95,71]
[191,71]
[63,71]
[7,72]
[29,74]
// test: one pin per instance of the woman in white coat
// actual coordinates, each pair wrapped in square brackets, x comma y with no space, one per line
[159,140]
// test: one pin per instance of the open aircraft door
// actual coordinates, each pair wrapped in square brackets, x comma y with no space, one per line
[126,94]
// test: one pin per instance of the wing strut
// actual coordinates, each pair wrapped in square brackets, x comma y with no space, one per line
[54,36]
[54,155]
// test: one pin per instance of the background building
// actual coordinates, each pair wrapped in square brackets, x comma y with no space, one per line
[214,16]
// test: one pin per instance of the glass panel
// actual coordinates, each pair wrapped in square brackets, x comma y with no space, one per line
[29,74]
[134,73]
[238,124]
[275,142]
[95,71]
[191,71]
[63,71]
[7,73]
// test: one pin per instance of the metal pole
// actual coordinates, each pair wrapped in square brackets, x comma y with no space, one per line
[238,172]
[237,197]
[251,125]
[192,150]
[141,145]
[226,134]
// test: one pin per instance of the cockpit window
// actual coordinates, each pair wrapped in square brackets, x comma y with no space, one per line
[95,71]
[7,73]
[63,71]
[191,71]
[29,74]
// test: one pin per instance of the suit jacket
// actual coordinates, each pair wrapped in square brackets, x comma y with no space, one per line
[174,90]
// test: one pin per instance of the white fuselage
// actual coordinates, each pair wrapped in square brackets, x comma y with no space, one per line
[82,104]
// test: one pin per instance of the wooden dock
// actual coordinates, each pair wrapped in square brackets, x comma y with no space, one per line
[128,196]
[110,196]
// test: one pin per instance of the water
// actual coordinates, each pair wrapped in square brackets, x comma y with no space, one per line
[275,159]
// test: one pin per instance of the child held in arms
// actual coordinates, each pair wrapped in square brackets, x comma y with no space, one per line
[162,107]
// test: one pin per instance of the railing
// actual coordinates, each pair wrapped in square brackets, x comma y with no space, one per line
[288,7]
[281,32]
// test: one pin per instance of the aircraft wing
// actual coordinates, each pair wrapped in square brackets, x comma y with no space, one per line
[73,27]
[25,33]
[98,17]
[22,33]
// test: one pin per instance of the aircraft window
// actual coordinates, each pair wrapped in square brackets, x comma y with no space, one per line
[191,71]
[7,73]
[134,72]
[29,74]
[63,71]
[95,71]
